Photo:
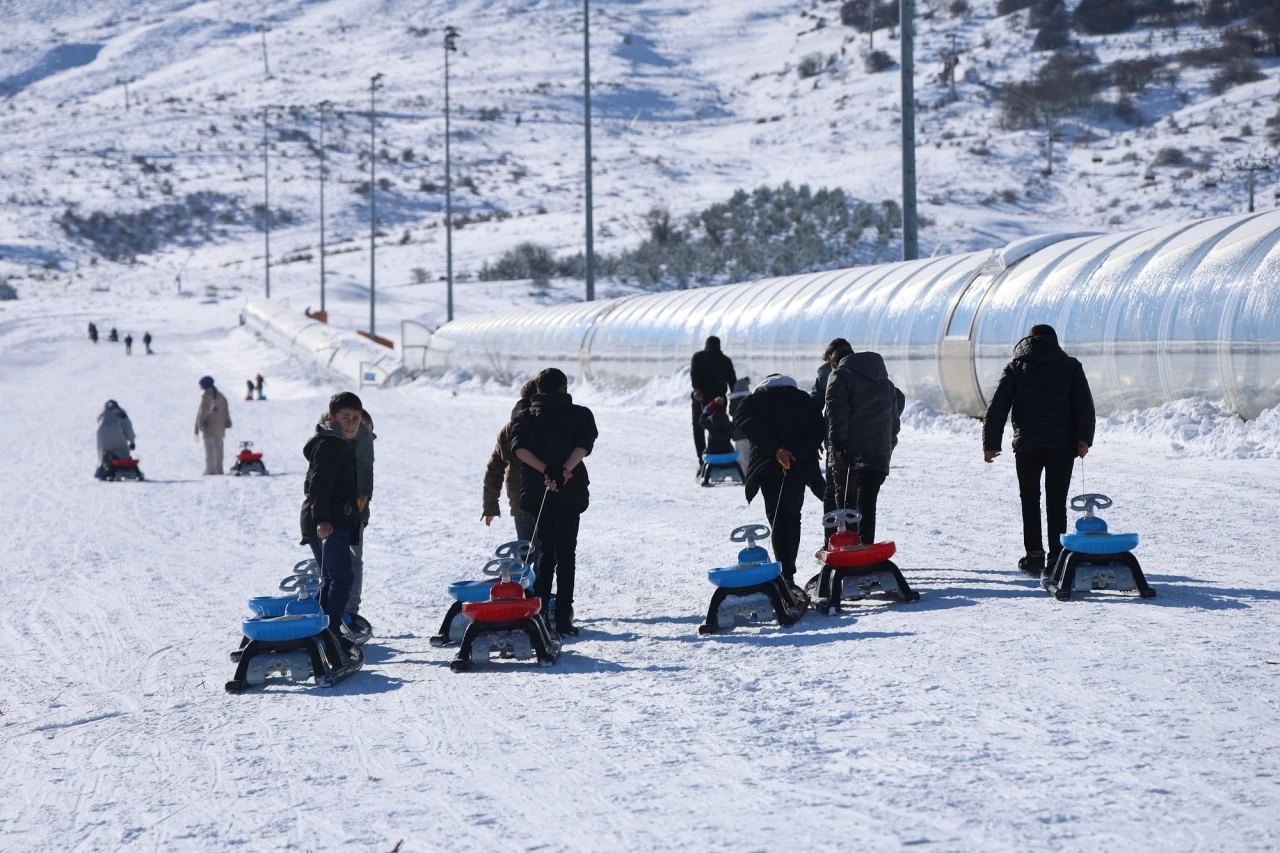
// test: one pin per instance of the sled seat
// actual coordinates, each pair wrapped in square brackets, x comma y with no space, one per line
[128,462]
[249,456]
[854,556]
[720,458]
[301,619]
[507,603]
[744,574]
[1099,543]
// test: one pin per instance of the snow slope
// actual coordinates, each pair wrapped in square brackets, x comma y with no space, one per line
[986,716]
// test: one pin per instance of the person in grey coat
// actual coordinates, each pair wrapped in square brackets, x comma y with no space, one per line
[115,436]
[364,491]
[863,419]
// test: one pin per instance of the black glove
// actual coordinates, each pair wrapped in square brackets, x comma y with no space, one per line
[839,456]
[555,473]
[131,445]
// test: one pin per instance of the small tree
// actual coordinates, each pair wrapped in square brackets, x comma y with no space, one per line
[1100,17]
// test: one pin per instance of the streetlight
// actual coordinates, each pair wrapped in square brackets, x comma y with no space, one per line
[450,45]
[586,112]
[373,201]
[264,29]
[126,81]
[910,239]
[266,204]
[1251,165]
[323,106]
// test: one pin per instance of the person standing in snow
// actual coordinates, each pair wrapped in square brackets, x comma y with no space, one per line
[784,426]
[503,464]
[1053,423]
[115,436]
[248,386]
[864,412]
[330,517]
[93,333]
[364,491]
[128,344]
[551,438]
[113,336]
[836,350]
[711,374]
[261,382]
[213,419]
[146,342]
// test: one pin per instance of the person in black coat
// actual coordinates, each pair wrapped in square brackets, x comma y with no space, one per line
[711,374]
[837,349]
[1053,422]
[330,517]
[784,426]
[863,419]
[715,420]
[551,437]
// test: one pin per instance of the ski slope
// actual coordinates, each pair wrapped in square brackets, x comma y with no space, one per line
[986,716]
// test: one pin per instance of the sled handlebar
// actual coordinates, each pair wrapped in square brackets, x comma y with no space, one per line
[502,566]
[1088,503]
[838,517]
[517,549]
[749,533]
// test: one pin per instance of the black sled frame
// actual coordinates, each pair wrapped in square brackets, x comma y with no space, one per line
[322,651]
[1062,581]
[830,584]
[786,609]
[545,645]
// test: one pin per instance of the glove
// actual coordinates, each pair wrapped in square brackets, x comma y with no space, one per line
[555,473]
[131,445]
[838,456]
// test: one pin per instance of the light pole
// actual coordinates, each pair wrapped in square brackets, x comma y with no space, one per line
[910,241]
[373,202]
[450,45]
[586,113]
[266,204]
[1251,166]
[264,29]
[125,81]
[323,106]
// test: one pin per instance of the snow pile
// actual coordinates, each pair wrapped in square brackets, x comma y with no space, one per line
[1198,427]
[920,418]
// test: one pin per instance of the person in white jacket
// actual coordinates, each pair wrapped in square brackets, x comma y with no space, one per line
[213,419]
[115,436]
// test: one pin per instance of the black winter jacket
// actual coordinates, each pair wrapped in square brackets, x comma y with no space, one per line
[711,372]
[778,417]
[862,411]
[719,431]
[330,486]
[1049,396]
[550,428]
[819,391]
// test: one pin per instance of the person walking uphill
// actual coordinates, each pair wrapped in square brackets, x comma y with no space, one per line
[711,374]
[1053,422]
[784,426]
[863,419]
[330,516]
[213,419]
[551,438]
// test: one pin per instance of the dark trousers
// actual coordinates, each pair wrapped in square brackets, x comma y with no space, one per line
[783,501]
[828,494]
[699,434]
[1056,465]
[859,489]
[524,525]
[558,547]
[334,556]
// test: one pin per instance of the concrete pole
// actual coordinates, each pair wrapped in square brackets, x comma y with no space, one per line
[910,240]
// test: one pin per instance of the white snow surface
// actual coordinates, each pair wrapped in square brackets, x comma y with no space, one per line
[987,716]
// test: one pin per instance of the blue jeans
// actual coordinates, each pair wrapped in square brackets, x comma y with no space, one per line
[334,556]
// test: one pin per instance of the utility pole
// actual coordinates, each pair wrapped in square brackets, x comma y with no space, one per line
[266,204]
[323,106]
[1251,165]
[125,81]
[871,24]
[264,29]
[910,242]
[586,102]
[373,202]
[450,45]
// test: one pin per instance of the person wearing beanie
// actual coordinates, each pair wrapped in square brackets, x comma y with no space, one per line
[711,374]
[1053,421]
[213,419]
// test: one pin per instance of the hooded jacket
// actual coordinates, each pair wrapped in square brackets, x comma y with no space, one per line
[711,373]
[741,390]
[503,464]
[1049,396]
[777,414]
[719,430]
[213,418]
[551,428]
[364,467]
[115,433]
[330,487]
[863,411]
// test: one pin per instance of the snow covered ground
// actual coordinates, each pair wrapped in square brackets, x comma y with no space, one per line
[986,716]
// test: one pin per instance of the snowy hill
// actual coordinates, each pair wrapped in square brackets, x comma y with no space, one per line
[693,100]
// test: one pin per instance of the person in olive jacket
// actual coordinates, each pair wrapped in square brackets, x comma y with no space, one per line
[551,438]
[330,517]
[784,426]
[504,465]
[1053,422]
[711,374]
[863,419]
[363,442]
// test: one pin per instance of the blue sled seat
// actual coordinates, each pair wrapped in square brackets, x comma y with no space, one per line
[1099,543]
[302,619]
[720,458]
[749,571]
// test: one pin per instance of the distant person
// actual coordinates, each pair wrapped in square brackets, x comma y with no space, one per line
[503,465]
[115,437]
[330,515]
[1053,423]
[741,389]
[112,336]
[248,385]
[128,344]
[93,333]
[260,383]
[213,419]
[864,412]
[146,342]
[711,374]
[551,438]
[363,442]
[784,425]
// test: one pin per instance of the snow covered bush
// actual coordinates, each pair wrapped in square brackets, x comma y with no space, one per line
[7,292]
[1100,17]
[878,61]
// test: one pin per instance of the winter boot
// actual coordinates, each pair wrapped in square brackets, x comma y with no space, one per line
[1033,563]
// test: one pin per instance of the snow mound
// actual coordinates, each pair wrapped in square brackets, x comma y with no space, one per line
[919,417]
[1203,428]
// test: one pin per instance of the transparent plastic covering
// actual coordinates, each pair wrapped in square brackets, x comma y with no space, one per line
[1184,310]
[340,353]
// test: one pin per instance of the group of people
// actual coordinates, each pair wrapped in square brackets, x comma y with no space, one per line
[114,337]
[852,415]
[257,383]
